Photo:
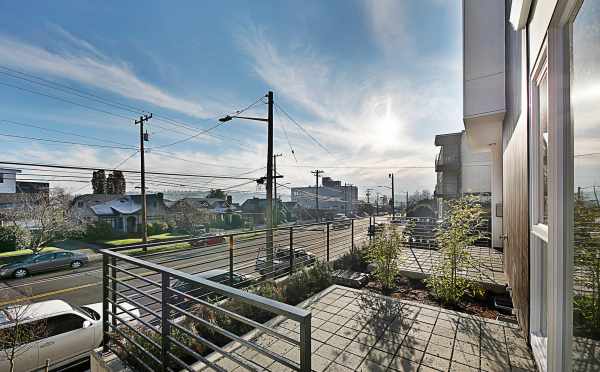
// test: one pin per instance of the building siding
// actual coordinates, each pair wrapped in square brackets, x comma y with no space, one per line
[516,178]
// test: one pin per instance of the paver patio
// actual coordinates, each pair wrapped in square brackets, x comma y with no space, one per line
[487,268]
[354,330]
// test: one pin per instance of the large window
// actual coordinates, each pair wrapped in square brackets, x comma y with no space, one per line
[585,110]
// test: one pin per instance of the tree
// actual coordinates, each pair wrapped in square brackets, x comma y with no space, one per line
[17,339]
[216,193]
[385,253]
[461,228]
[42,218]
[190,219]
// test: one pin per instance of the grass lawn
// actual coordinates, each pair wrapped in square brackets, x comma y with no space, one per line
[161,248]
[9,256]
[129,241]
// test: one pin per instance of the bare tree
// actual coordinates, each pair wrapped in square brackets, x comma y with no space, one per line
[18,332]
[41,218]
[190,218]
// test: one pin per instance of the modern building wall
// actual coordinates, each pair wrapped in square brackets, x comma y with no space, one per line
[9,181]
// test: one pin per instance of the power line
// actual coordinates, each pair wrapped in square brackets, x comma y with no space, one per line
[302,128]
[65,100]
[66,142]
[123,170]
[62,132]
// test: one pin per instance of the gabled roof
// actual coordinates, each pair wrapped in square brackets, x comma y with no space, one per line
[123,205]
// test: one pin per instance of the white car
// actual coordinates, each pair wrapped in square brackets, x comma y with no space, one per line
[62,333]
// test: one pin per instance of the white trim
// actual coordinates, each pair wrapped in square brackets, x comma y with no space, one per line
[541,231]
[519,12]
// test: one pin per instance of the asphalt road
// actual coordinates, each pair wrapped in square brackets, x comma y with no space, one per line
[83,286]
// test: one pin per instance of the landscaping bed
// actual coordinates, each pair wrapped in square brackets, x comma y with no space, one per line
[417,291]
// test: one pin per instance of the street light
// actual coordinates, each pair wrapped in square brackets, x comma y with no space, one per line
[269,177]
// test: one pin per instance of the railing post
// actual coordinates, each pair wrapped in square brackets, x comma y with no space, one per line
[305,344]
[113,286]
[291,250]
[105,303]
[328,241]
[231,260]
[165,326]
[352,233]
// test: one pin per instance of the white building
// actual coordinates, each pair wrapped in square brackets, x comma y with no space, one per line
[531,96]
[8,180]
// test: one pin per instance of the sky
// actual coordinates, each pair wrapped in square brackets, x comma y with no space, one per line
[368,85]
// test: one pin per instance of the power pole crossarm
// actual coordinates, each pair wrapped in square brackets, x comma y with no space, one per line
[143,138]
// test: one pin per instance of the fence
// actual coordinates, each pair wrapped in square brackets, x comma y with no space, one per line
[173,285]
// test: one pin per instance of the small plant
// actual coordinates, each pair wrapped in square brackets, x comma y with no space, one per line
[305,283]
[461,229]
[586,302]
[355,260]
[385,253]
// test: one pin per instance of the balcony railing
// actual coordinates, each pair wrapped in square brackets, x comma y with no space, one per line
[149,300]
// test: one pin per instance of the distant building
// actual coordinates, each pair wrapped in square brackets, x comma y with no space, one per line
[122,212]
[332,196]
[12,190]
[460,170]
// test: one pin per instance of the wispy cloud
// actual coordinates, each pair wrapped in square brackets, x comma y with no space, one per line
[78,60]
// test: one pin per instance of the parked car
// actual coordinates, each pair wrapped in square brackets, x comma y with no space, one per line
[43,262]
[340,222]
[64,333]
[281,260]
[200,291]
[208,240]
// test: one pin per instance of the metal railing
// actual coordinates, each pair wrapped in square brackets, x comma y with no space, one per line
[148,330]
[170,281]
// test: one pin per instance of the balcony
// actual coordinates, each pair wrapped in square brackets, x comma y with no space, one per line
[186,321]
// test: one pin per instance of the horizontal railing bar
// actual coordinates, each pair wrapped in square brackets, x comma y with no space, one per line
[194,354]
[116,329]
[130,354]
[139,319]
[121,321]
[134,300]
[238,317]
[241,340]
[133,289]
[258,301]
[194,239]
[142,278]
[214,347]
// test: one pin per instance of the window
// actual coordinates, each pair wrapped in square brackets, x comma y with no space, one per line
[44,257]
[60,255]
[60,324]
[585,113]
[1,177]
[540,175]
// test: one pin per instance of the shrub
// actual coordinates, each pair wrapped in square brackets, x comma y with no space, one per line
[157,228]
[10,237]
[460,229]
[384,252]
[355,260]
[305,283]
[99,230]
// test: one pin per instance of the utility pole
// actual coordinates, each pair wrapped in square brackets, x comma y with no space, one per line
[143,138]
[391,175]
[377,205]
[346,199]
[317,172]
[406,208]
[368,193]
[276,219]
[269,214]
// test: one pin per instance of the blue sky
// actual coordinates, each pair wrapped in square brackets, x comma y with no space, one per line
[372,81]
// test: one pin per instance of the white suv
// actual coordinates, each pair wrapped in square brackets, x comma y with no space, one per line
[65,333]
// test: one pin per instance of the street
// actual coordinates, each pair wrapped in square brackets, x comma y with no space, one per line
[83,286]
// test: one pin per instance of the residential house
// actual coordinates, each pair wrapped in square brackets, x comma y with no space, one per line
[122,212]
[217,208]
[253,210]
[530,94]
